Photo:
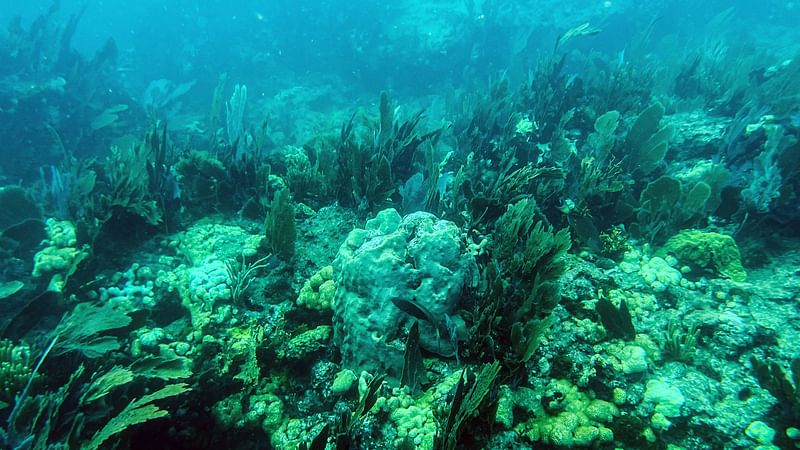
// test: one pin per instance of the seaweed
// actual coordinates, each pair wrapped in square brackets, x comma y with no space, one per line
[783,385]
[280,227]
[646,141]
[525,338]
[518,288]
[679,343]
[374,163]
[667,205]
[89,329]
[138,411]
[530,256]
[240,275]
[413,368]
[138,184]
[469,399]
[617,321]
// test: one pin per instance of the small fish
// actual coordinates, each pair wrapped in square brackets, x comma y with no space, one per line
[416,310]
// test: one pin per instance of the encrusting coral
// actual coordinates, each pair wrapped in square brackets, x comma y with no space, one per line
[707,250]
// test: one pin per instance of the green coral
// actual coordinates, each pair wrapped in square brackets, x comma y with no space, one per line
[707,250]
[306,343]
[318,291]
[566,417]
[264,410]
[208,240]
[15,370]
[228,411]
[343,382]
[415,419]
[665,401]
[60,258]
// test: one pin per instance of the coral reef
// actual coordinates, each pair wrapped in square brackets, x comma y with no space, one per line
[597,248]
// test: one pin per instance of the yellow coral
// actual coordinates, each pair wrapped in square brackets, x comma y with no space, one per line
[15,369]
[318,291]
[578,420]
[707,250]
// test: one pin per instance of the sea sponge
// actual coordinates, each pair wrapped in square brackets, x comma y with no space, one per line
[417,258]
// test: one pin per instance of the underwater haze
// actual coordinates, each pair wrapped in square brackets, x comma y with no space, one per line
[446,224]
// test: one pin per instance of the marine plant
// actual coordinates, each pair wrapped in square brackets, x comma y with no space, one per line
[85,413]
[471,396]
[550,169]
[531,255]
[647,140]
[307,181]
[17,207]
[372,164]
[241,275]
[204,181]
[518,288]
[345,433]
[138,411]
[679,343]
[138,183]
[280,227]
[668,205]
[617,321]
[89,330]
[784,385]
[364,178]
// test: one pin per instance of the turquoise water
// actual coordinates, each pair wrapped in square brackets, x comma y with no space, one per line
[437,225]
